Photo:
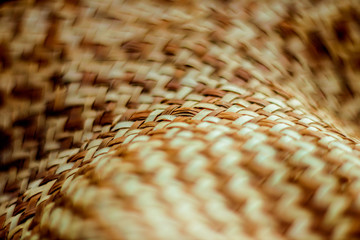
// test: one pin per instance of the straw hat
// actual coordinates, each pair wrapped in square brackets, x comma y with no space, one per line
[179,119]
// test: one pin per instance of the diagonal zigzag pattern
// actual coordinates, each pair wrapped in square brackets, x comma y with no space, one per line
[179,120]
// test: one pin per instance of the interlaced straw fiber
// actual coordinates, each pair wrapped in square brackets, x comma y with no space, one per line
[180,120]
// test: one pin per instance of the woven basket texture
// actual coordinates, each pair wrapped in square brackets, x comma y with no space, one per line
[180,120]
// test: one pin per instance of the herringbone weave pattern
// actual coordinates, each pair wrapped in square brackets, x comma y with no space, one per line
[179,120]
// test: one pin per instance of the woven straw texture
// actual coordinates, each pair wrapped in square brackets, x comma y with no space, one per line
[183,120]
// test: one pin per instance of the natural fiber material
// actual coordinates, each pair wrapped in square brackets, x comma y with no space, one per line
[179,120]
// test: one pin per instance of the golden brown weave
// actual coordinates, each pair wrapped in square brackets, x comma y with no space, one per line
[183,120]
